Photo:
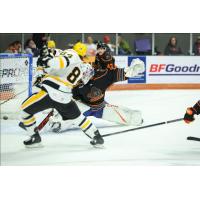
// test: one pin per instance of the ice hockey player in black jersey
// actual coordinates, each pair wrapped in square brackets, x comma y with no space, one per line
[191,111]
[106,73]
[189,117]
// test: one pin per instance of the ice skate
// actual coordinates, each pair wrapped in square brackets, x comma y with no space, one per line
[34,141]
[97,140]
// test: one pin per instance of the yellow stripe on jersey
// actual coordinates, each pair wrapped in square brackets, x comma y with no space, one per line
[29,121]
[61,62]
[39,69]
[59,80]
[33,99]
[85,124]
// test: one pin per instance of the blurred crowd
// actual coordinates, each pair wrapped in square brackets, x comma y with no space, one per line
[121,47]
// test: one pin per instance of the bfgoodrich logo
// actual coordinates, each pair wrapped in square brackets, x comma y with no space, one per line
[171,69]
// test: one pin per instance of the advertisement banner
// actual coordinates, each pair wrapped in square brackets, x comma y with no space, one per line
[140,78]
[173,69]
[14,70]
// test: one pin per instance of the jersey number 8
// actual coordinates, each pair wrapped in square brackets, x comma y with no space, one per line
[72,77]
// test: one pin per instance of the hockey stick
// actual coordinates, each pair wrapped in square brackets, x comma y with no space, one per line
[42,123]
[193,138]
[143,127]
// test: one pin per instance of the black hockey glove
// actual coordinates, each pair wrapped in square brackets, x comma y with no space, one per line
[38,81]
[44,51]
[190,112]
[42,61]
[189,115]
[45,56]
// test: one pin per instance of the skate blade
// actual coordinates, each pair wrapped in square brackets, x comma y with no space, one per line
[98,146]
[37,145]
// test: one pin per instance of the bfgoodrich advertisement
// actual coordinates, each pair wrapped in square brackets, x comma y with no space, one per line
[173,69]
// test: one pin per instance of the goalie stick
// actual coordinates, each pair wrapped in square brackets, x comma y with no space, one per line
[193,138]
[143,127]
[42,123]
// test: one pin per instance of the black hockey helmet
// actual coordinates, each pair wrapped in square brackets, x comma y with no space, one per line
[102,45]
[102,61]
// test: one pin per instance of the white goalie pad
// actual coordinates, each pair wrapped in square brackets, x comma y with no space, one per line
[111,113]
[122,115]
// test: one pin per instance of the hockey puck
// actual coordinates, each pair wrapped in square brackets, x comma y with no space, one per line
[5,117]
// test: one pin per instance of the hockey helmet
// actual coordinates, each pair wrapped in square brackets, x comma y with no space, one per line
[102,45]
[80,49]
[51,44]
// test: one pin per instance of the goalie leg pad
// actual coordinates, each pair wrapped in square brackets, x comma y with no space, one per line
[122,115]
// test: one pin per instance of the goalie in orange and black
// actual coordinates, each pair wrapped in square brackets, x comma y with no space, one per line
[106,73]
[92,94]
[191,111]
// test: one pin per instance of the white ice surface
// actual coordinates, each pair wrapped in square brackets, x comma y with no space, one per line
[159,145]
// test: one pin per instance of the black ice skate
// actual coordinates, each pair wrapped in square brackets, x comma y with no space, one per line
[97,140]
[34,141]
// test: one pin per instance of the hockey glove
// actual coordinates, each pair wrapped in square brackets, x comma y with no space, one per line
[137,66]
[45,56]
[38,81]
[44,51]
[190,112]
[42,61]
[189,115]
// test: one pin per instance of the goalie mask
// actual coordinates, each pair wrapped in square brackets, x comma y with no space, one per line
[104,57]
[102,48]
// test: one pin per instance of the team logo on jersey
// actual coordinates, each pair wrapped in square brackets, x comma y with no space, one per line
[95,94]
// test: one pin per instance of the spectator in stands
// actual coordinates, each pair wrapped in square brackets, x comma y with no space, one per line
[172,47]
[30,48]
[10,49]
[91,47]
[18,46]
[196,47]
[14,47]
[123,46]
[106,40]
[40,39]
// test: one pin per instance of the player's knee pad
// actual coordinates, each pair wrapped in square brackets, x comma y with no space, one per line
[29,121]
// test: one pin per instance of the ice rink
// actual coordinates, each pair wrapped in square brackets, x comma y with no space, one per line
[159,145]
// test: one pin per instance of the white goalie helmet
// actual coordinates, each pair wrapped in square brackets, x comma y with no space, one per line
[88,72]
